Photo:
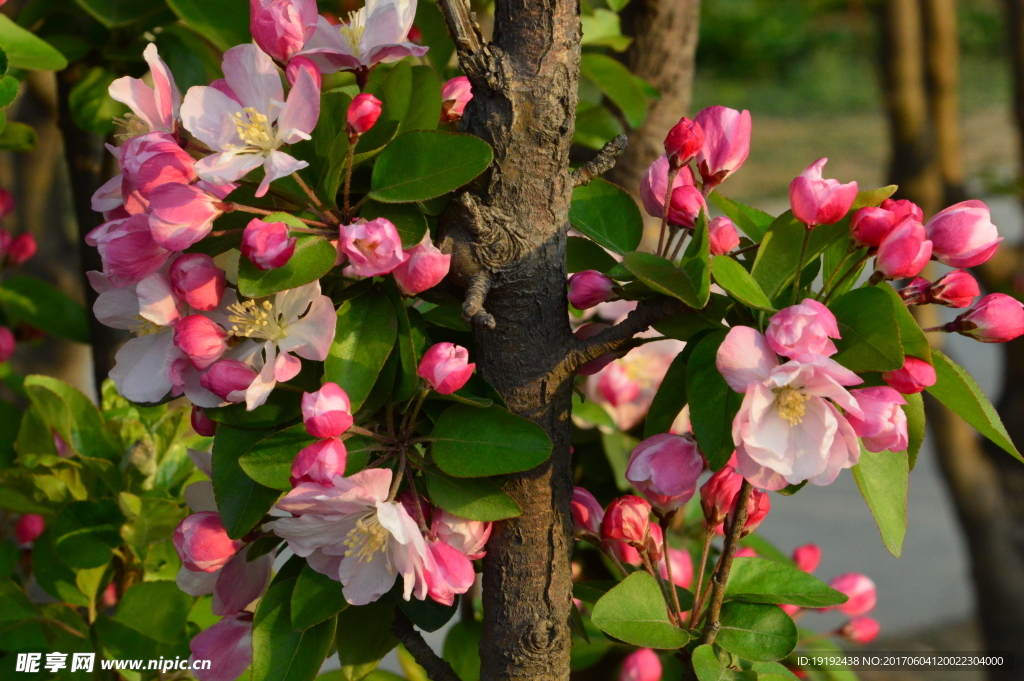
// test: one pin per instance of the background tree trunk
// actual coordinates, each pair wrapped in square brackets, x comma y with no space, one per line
[942,58]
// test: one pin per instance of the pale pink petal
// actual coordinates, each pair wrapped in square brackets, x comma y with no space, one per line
[200,496]
[286,367]
[311,336]
[228,166]
[228,645]
[207,114]
[108,197]
[196,583]
[744,357]
[140,372]
[365,582]
[157,301]
[301,111]
[117,308]
[140,98]
[329,566]
[165,93]
[844,453]
[241,582]
[259,390]
[202,460]
[758,475]
[251,74]
[384,54]
[277,165]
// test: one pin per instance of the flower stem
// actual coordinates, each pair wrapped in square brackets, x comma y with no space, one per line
[309,192]
[672,172]
[399,472]
[409,421]
[846,275]
[837,270]
[649,565]
[679,244]
[606,550]
[263,211]
[420,520]
[368,433]
[800,266]
[348,180]
[664,522]
[721,575]
[697,600]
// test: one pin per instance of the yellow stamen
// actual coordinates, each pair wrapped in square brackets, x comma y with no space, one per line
[254,128]
[366,538]
[353,31]
[133,126]
[145,327]
[256,320]
[791,405]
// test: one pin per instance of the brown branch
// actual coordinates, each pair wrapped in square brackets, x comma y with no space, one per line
[437,669]
[476,294]
[600,164]
[721,576]
[465,31]
[647,313]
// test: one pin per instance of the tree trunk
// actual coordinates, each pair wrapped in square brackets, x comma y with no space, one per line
[1015,39]
[942,48]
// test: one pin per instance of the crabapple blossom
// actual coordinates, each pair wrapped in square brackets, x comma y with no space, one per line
[902,208]
[627,520]
[996,318]
[196,280]
[817,201]
[665,468]
[149,161]
[871,224]
[589,288]
[201,339]
[884,426]
[807,557]
[685,206]
[914,376]
[904,251]
[954,289]
[641,665]
[654,185]
[627,385]
[363,113]
[726,143]
[963,234]
[468,536]
[201,423]
[684,140]
[291,72]
[128,250]
[722,235]
[807,327]
[229,379]
[862,629]
[447,572]
[424,267]
[181,215]
[327,412]
[282,27]
[616,386]
[267,245]
[860,591]
[372,248]
[445,367]
[319,462]
[6,208]
[455,95]
[203,544]
[154,108]
[587,513]
[29,527]
[7,344]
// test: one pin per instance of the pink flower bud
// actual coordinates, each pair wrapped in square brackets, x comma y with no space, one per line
[807,557]
[298,64]
[902,208]
[327,412]
[282,27]
[589,288]
[201,339]
[203,544]
[758,507]
[915,375]
[201,423]
[861,629]
[817,201]
[683,142]
[587,513]
[726,143]
[455,95]
[997,318]
[181,215]
[963,234]
[870,225]
[746,552]
[425,266]
[860,591]
[7,344]
[904,251]
[373,247]
[884,426]
[320,462]
[807,327]
[363,113]
[109,598]
[6,203]
[445,367]
[447,572]
[29,527]
[627,520]
[616,386]
[654,184]
[128,250]
[592,367]
[197,280]
[467,536]
[665,468]
[267,244]
[642,665]
[954,289]
[149,161]
[687,203]
[228,379]
[723,235]
[627,554]
[682,568]
[718,495]
[19,250]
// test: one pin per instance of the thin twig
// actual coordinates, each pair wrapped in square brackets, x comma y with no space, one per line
[800,266]
[665,521]
[697,600]
[399,472]
[601,163]
[263,211]
[645,556]
[347,211]
[606,549]
[435,667]
[309,192]
[846,275]
[721,574]
[672,172]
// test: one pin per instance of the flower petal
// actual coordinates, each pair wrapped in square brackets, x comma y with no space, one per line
[744,357]
[251,74]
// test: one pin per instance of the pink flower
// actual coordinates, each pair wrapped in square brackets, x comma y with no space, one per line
[445,367]
[788,428]
[718,495]
[455,95]
[20,250]
[327,412]
[7,344]
[627,554]
[997,318]
[6,206]
[587,514]
[808,327]
[589,288]
[447,572]
[468,536]
[915,375]
[627,520]
[29,527]
[683,142]
[884,426]
[642,665]
[758,507]
[155,108]
[747,552]
[228,646]
[861,629]
[904,251]
[665,468]
[247,135]
[626,387]
[686,204]
[282,27]
[807,557]
[128,250]
[197,280]
[870,225]
[654,184]
[149,161]
[228,379]
[363,113]
[954,289]
[963,234]
[297,64]
[616,386]
[319,462]
[816,201]
[201,339]
[181,215]
[726,143]
[201,423]
[860,591]
[723,235]
[424,267]
[373,248]
[267,244]
[682,568]
[203,544]
[902,208]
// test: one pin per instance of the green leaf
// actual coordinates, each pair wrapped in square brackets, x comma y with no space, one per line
[662,276]
[416,102]
[279,651]
[608,215]
[313,258]
[617,83]
[712,414]
[602,28]
[756,632]
[157,610]
[777,257]
[407,219]
[56,578]
[915,343]
[42,305]
[870,333]
[583,254]
[364,637]
[366,332]
[27,51]
[738,283]
[470,498]
[634,611]
[8,90]
[671,396]
[759,580]
[86,532]
[752,221]
[225,23]
[269,461]
[149,520]
[241,500]
[708,667]
[113,13]
[469,442]
[10,423]
[431,23]
[914,408]
[873,197]
[281,407]
[462,649]
[427,614]
[884,481]
[956,389]
[18,137]
[72,415]
[595,125]
[330,140]
[421,164]
[410,344]
[316,598]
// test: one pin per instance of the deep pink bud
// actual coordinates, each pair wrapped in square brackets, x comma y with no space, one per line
[642,665]
[327,412]
[109,598]
[29,527]
[6,203]
[20,250]
[758,507]
[201,423]
[320,462]
[282,27]
[181,215]
[447,573]
[267,244]
[587,513]
[687,203]
[373,248]
[467,536]
[723,235]
[861,629]
[445,367]
[425,266]
[149,161]
[197,280]
[884,425]
[870,225]
[915,375]
[683,142]
[592,367]
[807,557]
[904,251]
[997,318]
[128,250]
[627,520]
[682,567]
[817,201]
[363,113]
[665,468]
[455,95]
[7,344]
[616,386]
[589,288]
[718,495]
[860,591]
[201,339]
[726,143]
[963,234]
[807,327]
[203,544]
[654,184]
[228,379]
[902,208]
[954,289]
[298,64]
[627,554]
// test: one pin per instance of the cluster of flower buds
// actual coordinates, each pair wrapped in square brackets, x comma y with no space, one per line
[326,414]
[374,248]
[718,501]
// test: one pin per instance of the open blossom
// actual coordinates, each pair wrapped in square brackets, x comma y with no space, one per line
[424,267]
[627,385]
[455,95]
[467,536]
[373,248]
[726,142]
[445,367]
[884,425]
[267,244]
[788,428]
[914,376]
[587,513]
[807,327]
[319,462]
[616,386]
[997,318]
[248,133]
[150,161]
[817,201]
[665,468]
[154,108]
[654,185]
[963,234]
[282,27]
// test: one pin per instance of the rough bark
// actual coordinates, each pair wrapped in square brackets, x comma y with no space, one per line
[942,58]
[1015,39]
